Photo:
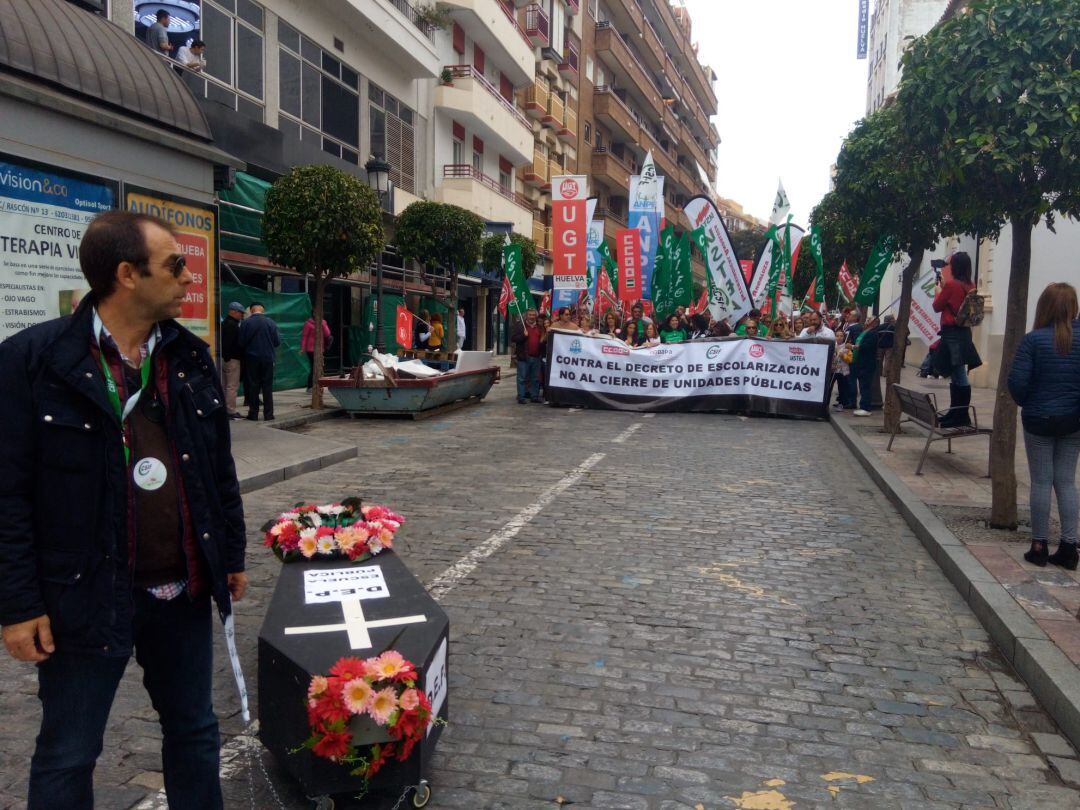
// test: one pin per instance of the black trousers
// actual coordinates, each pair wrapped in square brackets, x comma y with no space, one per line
[259,380]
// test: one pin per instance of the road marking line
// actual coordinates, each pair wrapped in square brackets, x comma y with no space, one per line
[648,415]
[626,434]
[448,579]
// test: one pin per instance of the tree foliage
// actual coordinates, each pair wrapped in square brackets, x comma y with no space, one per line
[846,236]
[991,99]
[320,220]
[440,236]
[748,243]
[491,252]
[323,223]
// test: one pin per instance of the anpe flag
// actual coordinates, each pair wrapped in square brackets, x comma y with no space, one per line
[404,327]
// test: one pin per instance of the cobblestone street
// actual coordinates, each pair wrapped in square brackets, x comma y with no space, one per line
[686,611]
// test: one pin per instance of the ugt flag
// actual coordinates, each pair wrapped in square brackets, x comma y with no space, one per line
[404,329]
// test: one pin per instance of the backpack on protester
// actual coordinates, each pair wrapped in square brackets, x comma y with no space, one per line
[972,310]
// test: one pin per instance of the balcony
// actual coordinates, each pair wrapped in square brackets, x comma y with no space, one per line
[397,35]
[537,173]
[468,187]
[701,86]
[475,102]
[690,146]
[556,111]
[611,170]
[497,32]
[569,65]
[572,7]
[654,49]
[537,26]
[567,132]
[616,55]
[612,221]
[627,15]
[535,98]
[613,113]
[541,234]
[665,164]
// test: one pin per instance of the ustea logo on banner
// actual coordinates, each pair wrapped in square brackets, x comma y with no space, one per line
[575,347]
[798,354]
[568,188]
[615,350]
[757,350]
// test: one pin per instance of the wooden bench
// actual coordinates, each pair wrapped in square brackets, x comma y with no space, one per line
[921,408]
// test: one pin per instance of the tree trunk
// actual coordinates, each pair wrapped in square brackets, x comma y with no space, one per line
[899,349]
[1003,442]
[317,364]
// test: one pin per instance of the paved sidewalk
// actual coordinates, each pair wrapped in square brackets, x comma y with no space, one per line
[956,489]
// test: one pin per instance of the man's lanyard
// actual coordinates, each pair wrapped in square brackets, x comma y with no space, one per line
[123,410]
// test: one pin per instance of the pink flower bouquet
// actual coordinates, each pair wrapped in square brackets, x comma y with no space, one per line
[334,531]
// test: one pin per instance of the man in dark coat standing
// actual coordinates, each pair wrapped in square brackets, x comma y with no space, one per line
[123,515]
[259,339]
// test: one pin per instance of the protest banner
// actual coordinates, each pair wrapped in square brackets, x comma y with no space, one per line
[746,374]
[569,221]
[628,244]
[646,207]
[728,294]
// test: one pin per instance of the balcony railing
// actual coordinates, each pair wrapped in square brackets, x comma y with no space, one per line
[572,7]
[568,130]
[535,98]
[538,173]
[537,25]
[556,111]
[510,15]
[607,213]
[469,72]
[541,234]
[406,8]
[569,63]
[468,171]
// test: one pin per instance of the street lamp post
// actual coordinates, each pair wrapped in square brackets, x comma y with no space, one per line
[378,177]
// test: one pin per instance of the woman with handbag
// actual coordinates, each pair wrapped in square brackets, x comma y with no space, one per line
[1045,382]
[956,354]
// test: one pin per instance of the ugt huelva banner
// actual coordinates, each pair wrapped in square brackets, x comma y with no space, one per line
[790,378]
[568,232]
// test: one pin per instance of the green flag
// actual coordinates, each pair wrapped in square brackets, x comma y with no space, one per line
[819,263]
[682,274]
[521,300]
[608,261]
[870,280]
[701,242]
[777,266]
[662,297]
[843,295]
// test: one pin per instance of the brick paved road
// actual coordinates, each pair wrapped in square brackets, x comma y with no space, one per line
[720,612]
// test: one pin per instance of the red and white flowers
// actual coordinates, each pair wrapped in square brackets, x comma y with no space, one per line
[345,530]
[383,689]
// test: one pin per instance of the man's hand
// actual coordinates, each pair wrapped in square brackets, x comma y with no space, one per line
[237,586]
[30,640]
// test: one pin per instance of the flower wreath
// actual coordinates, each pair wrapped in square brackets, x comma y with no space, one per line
[345,530]
[381,690]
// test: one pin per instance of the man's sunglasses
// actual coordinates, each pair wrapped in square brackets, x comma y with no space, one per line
[179,264]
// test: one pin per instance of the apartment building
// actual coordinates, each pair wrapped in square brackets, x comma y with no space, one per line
[642,88]
[891,25]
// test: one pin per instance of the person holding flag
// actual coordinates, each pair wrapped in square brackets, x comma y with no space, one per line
[528,338]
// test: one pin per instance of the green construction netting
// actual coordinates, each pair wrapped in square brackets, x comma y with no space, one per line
[241,230]
[360,337]
[289,311]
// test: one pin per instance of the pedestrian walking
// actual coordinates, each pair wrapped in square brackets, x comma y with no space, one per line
[1045,382]
[528,339]
[957,354]
[307,345]
[259,339]
[126,516]
[231,356]
[460,329]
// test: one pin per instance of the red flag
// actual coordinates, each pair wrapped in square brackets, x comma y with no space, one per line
[545,302]
[701,305]
[504,296]
[747,266]
[404,331]
[605,296]
[848,283]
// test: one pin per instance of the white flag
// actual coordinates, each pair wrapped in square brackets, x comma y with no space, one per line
[780,206]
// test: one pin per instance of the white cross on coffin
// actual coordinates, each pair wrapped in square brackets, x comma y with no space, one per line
[355,625]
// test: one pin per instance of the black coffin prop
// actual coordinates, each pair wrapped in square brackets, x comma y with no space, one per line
[288,661]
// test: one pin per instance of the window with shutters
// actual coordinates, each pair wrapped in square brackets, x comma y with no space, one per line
[393,136]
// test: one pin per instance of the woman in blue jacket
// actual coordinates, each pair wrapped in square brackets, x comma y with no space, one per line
[1045,382]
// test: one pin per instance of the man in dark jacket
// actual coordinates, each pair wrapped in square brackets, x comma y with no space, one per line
[528,339]
[123,514]
[864,368]
[259,339]
[231,356]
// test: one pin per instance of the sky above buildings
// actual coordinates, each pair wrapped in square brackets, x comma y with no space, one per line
[789,90]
